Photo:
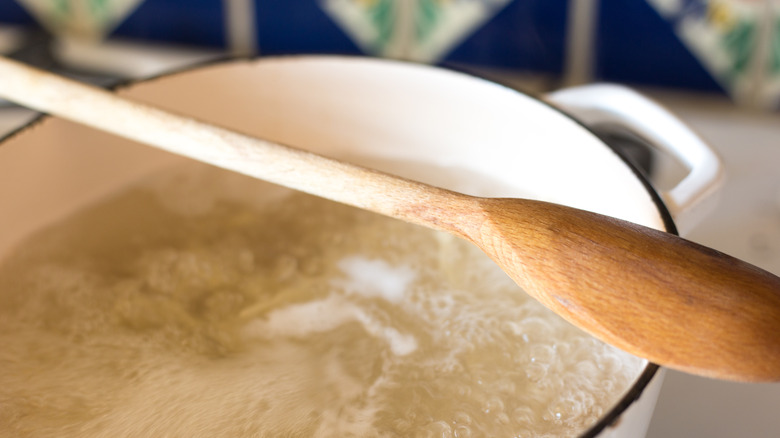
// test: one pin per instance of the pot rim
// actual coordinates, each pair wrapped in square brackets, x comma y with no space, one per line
[649,371]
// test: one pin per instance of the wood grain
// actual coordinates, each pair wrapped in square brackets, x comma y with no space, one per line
[653,294]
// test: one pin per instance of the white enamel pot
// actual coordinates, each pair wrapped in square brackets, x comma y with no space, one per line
[491,140]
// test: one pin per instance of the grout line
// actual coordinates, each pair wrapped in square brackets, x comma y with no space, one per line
[240,27]
[580,42]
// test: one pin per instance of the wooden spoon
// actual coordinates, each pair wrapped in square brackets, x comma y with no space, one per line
[650,293]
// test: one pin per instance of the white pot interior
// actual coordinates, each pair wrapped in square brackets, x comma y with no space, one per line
[491,140]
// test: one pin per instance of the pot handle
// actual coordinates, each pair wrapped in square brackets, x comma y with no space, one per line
[606,104]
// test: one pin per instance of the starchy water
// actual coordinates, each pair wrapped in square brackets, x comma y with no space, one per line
[204,304]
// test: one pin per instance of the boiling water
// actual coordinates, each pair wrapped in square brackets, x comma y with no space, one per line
[206,304]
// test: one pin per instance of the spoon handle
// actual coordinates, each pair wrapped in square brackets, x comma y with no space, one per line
[301,170]
[649,292]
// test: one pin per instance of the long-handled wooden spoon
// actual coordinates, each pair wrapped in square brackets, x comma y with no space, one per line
[650,293]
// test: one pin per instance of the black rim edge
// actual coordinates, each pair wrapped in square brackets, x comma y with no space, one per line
[651,369]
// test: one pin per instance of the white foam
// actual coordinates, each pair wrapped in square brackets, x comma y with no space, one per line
[375,278]
[304,319]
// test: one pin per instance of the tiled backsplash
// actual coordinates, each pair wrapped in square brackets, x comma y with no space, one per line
[725,46]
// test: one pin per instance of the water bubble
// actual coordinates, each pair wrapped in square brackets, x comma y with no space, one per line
[461,431]
[562,348]
[610,364]
[493,405]
[506,386]
[461,417]
[536,329]
[542,354]
[535,372]
[463,390]
[563,410]
[438,429]
[524,415]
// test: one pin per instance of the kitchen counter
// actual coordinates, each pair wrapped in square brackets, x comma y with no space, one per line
[745,224]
